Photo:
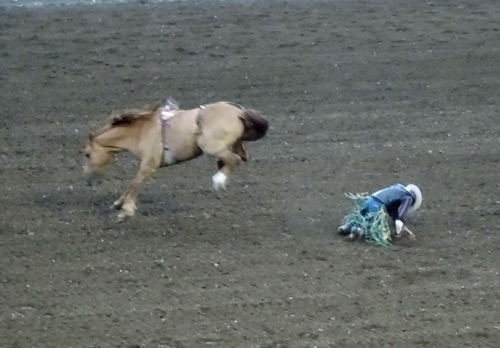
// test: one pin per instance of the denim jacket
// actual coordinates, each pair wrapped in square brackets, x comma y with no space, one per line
[396,199]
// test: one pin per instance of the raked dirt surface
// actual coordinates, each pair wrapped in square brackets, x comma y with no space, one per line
[360,94]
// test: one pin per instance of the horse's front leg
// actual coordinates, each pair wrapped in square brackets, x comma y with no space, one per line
[126,203]
[117,205]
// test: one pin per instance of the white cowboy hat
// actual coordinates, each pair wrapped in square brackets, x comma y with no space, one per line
[418,197]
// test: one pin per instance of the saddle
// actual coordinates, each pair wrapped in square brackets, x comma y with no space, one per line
[169,110]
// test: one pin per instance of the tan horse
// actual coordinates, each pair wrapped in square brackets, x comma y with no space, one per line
[165,135]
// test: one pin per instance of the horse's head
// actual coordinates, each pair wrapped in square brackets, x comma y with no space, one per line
[96,158]
[121,133]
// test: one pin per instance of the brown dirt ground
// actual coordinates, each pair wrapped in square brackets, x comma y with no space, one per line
[360,94]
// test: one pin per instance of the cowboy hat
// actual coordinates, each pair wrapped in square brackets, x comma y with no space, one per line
[415,191]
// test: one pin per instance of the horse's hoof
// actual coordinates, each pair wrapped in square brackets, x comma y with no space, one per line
[125,212]
[116,205]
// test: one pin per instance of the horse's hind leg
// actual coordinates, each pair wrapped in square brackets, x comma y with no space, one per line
[227,163]
[240,151]
[237,149]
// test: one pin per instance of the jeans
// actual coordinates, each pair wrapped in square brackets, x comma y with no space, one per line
[371,205]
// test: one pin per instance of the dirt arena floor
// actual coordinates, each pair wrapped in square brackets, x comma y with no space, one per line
[360,94]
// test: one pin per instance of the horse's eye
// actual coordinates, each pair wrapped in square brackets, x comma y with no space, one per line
[87,155]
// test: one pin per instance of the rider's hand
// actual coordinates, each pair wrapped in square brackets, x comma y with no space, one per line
[410,233]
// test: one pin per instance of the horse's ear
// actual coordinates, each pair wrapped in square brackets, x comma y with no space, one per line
[91,136]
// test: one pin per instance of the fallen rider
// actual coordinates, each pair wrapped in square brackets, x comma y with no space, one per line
[368,219]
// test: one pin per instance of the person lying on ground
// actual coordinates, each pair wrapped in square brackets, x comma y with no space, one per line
[368,219]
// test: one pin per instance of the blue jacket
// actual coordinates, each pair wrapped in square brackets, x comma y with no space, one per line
[396,199]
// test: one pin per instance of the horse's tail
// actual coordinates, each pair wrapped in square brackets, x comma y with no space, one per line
[256,125]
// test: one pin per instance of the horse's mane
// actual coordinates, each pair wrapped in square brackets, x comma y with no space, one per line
[130,116]
[127,117]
